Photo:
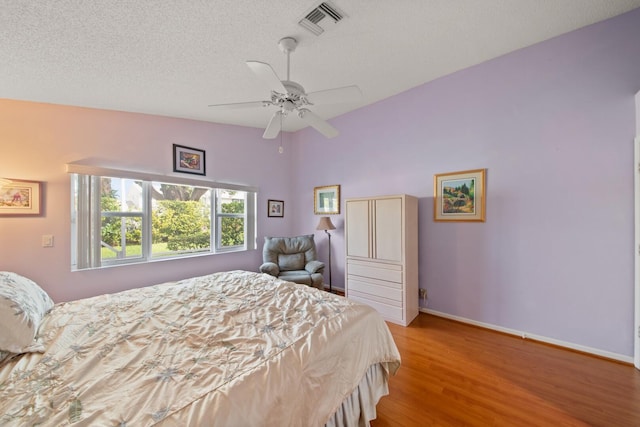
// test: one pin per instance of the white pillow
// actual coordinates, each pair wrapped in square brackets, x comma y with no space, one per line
[23,304]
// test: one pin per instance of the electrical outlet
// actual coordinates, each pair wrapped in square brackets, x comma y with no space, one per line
[422,293]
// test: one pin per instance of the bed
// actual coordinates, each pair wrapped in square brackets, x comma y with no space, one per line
[228,349]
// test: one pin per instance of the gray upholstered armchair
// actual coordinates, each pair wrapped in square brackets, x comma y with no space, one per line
[293,259]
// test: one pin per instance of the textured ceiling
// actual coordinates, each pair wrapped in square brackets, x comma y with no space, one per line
[175,57]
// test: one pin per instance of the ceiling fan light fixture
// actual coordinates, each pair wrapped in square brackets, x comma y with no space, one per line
[288,96]
[288,105]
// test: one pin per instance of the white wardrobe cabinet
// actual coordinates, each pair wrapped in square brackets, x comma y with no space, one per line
[382,255]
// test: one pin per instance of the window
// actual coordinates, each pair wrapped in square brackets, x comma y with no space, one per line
[119,219]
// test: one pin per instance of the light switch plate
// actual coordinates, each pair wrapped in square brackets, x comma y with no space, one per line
[47,241]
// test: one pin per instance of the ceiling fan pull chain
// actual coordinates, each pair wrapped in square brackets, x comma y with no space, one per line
[280,149]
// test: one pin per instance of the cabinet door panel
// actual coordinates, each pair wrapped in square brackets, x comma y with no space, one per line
[358,236]
[388,229]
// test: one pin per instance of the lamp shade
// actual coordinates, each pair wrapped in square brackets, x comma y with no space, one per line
[325,224]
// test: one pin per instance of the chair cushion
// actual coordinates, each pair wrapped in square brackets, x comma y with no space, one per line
[297,276]
[288,262]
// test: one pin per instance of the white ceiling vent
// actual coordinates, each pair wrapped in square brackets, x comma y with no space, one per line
[324,14]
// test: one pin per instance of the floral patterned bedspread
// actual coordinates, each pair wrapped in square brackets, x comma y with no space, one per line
[228,349]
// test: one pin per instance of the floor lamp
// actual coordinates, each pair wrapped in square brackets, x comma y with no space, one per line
[326,224]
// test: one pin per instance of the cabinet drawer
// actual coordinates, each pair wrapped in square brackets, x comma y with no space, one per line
[388,290]
[388,272]
[388,311]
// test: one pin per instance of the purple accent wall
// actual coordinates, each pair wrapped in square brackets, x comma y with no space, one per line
[553,124]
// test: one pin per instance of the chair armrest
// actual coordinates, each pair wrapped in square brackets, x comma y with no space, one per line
[314,267]
[270,268]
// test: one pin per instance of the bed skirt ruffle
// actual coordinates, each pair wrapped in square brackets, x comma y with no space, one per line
[360,407]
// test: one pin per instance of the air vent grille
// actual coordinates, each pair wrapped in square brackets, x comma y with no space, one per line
[312,19]
[334,14]
[315,16]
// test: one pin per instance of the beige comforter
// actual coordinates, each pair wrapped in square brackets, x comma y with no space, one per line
[227,349]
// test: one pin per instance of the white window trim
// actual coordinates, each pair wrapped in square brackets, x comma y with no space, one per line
[83,169]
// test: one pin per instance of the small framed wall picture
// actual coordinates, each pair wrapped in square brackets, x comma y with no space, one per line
[326,200]
[459,196]
[275,208]
[19,197]
[188,160]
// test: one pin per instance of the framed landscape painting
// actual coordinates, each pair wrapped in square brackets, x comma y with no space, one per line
[459,196]
[20,198]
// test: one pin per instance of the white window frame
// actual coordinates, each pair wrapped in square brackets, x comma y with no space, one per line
[86,215]
[216,222]
[144,215]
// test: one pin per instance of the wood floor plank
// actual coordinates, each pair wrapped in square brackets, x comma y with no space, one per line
[454,374]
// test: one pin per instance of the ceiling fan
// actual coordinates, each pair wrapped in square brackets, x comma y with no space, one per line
[288,96]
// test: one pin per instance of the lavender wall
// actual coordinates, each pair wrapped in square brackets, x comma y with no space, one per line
[37,140]
[554,126]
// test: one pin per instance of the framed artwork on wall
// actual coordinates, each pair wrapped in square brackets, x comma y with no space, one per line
[188,160]
[326,200]
[19,197]
[459,196]
[275,208]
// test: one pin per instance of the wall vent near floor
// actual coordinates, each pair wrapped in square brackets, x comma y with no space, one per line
[312,20]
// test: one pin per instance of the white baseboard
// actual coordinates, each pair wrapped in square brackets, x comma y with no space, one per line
[526,335]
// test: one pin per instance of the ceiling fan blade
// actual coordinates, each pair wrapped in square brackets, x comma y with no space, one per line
[267,75]
[242,105]
[274,126]
[318,123]
[335,96]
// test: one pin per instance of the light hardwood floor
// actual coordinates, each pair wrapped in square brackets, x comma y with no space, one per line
[453,374]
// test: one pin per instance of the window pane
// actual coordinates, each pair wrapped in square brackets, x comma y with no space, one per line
[231,218]
[123,243]
[231,201]
[120,195]
[231,232]
[181,219]
[121,219]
